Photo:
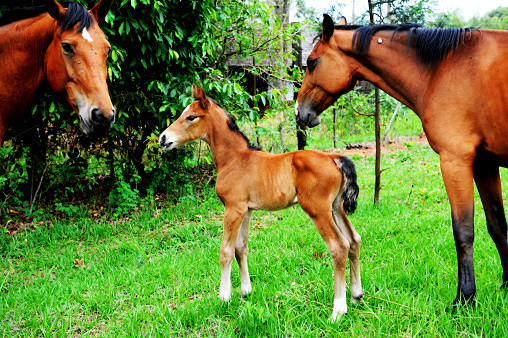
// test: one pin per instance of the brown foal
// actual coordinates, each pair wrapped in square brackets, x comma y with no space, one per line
[249,179]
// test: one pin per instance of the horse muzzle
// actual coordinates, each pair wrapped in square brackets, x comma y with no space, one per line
[307,117]
[99,122]
[165,143]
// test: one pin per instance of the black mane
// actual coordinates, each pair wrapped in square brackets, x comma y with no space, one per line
[431,45]
[75,13]
[234,127]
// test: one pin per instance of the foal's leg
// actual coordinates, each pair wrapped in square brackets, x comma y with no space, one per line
[233,217]
[458,179]
[355,241]
[489,186]
[241,251]
[338,246]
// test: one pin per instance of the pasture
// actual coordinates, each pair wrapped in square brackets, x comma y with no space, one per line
[157,272]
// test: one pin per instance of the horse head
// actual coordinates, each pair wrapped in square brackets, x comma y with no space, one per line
[327,77]
[75,63]
[191,125]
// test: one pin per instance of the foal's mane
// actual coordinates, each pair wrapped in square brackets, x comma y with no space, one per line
[431,44]
[234,127]
[75,13]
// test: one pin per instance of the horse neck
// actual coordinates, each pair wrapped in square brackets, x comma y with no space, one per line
[390,67]
[225,144]
[26,41]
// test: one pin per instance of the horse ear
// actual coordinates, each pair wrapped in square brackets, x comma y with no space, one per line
[199,95]
[342,21]
[328,27]
[100,10]
[55,10]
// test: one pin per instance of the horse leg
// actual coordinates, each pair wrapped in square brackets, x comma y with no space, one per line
[338,246]
[232,220]
[489,187]
[355,241]
[241,251]
[458,179]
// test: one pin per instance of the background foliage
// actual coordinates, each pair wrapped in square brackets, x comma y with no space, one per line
[160,48]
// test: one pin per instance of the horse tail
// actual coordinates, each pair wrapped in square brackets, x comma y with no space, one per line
[350,188]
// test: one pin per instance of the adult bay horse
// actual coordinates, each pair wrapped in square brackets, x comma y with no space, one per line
[66,48]
[249,179]
[456,81]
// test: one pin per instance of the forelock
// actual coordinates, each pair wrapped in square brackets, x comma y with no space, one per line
[76,13]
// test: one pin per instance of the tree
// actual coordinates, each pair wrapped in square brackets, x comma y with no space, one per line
[398,11]
[159,49]
[495,19]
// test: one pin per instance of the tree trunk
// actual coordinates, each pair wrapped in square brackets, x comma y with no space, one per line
[281,12]
[334,131]
[111,160]
[301,135]
[377,123]
[377,126]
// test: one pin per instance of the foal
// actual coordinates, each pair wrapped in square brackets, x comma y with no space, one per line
[248,179]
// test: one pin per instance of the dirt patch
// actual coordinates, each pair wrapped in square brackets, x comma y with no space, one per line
[389,147]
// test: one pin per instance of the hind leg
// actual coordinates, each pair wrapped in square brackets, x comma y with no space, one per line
[338,246]
[241,251]
[355,241]
[489,187]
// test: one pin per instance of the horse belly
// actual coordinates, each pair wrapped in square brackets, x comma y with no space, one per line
[272,198]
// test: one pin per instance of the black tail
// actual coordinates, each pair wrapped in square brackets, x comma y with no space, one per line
[351,189]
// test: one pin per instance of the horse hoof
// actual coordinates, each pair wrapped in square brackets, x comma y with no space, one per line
[246,292]
[225,298]
[357,299]
[460,302]
[335,318]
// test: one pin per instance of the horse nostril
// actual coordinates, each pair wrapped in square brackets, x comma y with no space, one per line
[113,115]
[162,140]
[95,117]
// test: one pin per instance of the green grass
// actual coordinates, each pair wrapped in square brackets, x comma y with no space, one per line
[157,272]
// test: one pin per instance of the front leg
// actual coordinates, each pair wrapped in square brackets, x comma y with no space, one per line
[458,178]
[233,217]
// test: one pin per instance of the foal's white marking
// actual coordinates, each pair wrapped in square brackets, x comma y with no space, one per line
[339,308]
[86,35]
[186,108]
[296,108]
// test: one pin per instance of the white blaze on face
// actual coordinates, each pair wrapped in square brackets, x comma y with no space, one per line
[186,108]
[86,35]
[296,108]
[170,140]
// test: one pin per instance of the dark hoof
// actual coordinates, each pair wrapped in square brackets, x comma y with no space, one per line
[460,303]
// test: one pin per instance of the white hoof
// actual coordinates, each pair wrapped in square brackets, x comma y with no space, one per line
[246,291]
[339,308]
[335,317]
[225,296]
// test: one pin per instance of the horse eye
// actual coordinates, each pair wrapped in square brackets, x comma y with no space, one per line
[67,47]
[311,64]
[191,118]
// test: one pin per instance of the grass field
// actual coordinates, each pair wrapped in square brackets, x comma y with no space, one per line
[157,272]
